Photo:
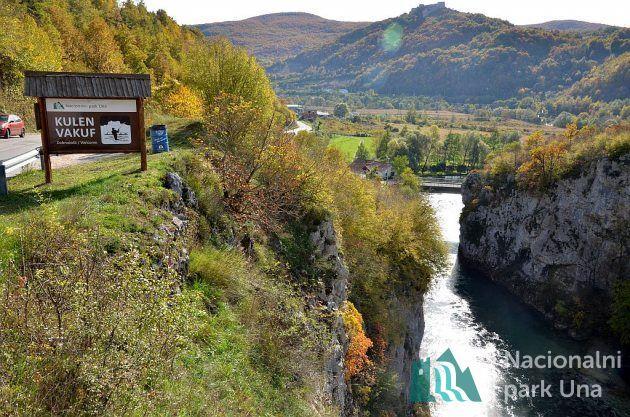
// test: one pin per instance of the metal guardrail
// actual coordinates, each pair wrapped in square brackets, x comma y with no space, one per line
[16,165]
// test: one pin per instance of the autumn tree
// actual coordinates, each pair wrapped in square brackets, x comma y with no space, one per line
[24,45]
[179,100]
[356,355]
[545,162]
[221,68]
[103,55]
[261,169]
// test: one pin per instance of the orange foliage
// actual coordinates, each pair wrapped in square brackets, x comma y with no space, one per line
[263,175]
[545,160]
[356,356]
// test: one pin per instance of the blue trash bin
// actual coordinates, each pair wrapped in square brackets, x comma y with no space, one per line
[159,138]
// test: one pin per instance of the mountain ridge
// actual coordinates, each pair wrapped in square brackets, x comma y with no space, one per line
[571,25]
[278,36]
[459,56]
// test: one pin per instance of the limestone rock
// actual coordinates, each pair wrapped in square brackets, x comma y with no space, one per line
[333,294]
[561,251]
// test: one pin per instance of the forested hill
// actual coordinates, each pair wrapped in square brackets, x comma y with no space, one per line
[97,36]
[437,51]
[279,36]
[570,25]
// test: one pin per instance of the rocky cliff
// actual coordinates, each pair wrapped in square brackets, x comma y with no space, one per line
[333,294]
[402,354]
[561,250]
[408,308]
[325,298]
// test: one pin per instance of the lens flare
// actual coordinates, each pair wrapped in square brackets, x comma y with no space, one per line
[392,38]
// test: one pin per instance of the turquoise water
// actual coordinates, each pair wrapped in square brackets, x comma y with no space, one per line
[481,322]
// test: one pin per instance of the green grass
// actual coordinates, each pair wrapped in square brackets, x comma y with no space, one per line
[348,145]
[232,370]
[113,189]
[111,194]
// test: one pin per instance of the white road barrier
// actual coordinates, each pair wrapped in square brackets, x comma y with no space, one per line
[14,166]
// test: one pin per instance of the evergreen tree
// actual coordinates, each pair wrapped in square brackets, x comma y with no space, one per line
[381,148]
[341,110]
[362,153]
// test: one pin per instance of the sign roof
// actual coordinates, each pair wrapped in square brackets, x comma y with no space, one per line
[86,85]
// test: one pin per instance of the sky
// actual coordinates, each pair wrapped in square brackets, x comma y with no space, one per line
[612,12]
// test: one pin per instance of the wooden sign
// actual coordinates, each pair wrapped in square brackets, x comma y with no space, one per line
[92,125]
[89,113]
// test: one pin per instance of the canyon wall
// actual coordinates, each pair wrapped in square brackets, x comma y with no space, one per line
[560,250]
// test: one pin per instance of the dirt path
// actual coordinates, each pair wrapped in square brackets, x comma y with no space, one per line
[62,161]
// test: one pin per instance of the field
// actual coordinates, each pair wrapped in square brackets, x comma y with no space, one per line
[449,120]
[348,145]
[463,144]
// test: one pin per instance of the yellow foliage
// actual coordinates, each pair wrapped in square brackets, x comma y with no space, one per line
[544,165]
[183,102]
[103,53]
[24,46]
[219,67]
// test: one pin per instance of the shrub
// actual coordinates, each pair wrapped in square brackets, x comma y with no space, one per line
[618,145]
[356,355]
[541,162]
[84,332]
[264,175]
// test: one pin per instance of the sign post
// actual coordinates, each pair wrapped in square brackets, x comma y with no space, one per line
[143,147]
[90,113]
[47,166]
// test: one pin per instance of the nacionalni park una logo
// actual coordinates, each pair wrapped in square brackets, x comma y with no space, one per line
[450,382]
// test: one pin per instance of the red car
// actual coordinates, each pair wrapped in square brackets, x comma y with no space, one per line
[11,124]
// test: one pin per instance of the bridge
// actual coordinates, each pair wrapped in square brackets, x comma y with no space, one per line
[446,184]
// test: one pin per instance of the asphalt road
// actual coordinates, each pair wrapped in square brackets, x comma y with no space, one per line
[302,127]
[15,146]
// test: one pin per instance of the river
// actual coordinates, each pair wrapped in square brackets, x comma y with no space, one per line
[480,321]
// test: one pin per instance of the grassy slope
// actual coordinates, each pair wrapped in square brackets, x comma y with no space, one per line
[119,198]
[220,373]
[348,145]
